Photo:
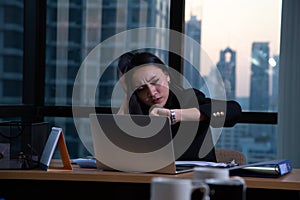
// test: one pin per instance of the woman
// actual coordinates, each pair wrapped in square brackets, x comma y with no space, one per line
[152,91]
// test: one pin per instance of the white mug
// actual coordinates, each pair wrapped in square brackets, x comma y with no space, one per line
[163,188]
[202,173]
[221,185]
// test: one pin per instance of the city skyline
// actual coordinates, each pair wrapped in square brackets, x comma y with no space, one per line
[243,30]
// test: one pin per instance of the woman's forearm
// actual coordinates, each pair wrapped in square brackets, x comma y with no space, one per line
[189,114]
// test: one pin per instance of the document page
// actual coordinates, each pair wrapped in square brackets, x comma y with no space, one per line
[200,164]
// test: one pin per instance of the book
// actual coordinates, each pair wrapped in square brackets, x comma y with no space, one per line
[267,169]
[85,162]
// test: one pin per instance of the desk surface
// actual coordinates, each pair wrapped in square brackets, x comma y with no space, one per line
[289,181]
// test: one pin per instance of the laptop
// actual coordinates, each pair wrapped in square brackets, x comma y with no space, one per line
[134,143]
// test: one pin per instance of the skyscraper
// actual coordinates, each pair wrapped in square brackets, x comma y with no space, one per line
[11,53]
[192,52]
[226,67]
[259,86]
[275,79]
[263,135]
[230,138]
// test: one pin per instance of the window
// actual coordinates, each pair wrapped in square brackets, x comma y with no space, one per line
[239,50]
[11,64]
[251,42]
[73,33]
[13,13]
[74,29]
[11,53]
[11,88]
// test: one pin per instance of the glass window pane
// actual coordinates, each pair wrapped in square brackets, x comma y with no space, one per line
[257,141]
[11,88]
[76,28]
[11,53]
[13,12]
[239,53]
[74,144]
[74,31]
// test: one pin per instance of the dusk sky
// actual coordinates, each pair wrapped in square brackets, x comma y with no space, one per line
[237,24]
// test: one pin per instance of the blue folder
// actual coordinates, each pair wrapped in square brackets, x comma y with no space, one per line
[267,169]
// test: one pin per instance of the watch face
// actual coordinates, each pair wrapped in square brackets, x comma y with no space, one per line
[173,117]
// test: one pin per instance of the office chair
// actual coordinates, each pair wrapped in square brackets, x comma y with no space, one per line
[228,155]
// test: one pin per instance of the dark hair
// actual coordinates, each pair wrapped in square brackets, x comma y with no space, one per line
[138,60]
[123,63]
[145,58]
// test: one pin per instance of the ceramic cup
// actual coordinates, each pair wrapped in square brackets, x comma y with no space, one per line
[163,188]
[221,185]
[202,173]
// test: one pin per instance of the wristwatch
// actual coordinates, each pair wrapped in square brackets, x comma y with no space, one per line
[172,117]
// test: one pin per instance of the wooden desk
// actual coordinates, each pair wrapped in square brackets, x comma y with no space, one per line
[79,174]
[95,180]
[288,182]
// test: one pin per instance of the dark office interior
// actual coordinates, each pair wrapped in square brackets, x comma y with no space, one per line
[45,43]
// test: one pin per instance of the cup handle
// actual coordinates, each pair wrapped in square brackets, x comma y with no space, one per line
[204,189]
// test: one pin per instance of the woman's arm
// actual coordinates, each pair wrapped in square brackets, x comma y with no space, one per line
[218,113]
[221,113]
[123,109]
[188,114]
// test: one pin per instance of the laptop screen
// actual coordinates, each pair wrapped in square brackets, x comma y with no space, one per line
[133,143]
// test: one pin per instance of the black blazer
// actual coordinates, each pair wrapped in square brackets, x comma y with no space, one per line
[195,141]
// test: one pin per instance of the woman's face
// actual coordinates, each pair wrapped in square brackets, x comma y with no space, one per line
[151,85]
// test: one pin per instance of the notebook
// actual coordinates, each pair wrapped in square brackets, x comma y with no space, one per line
[134,143]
